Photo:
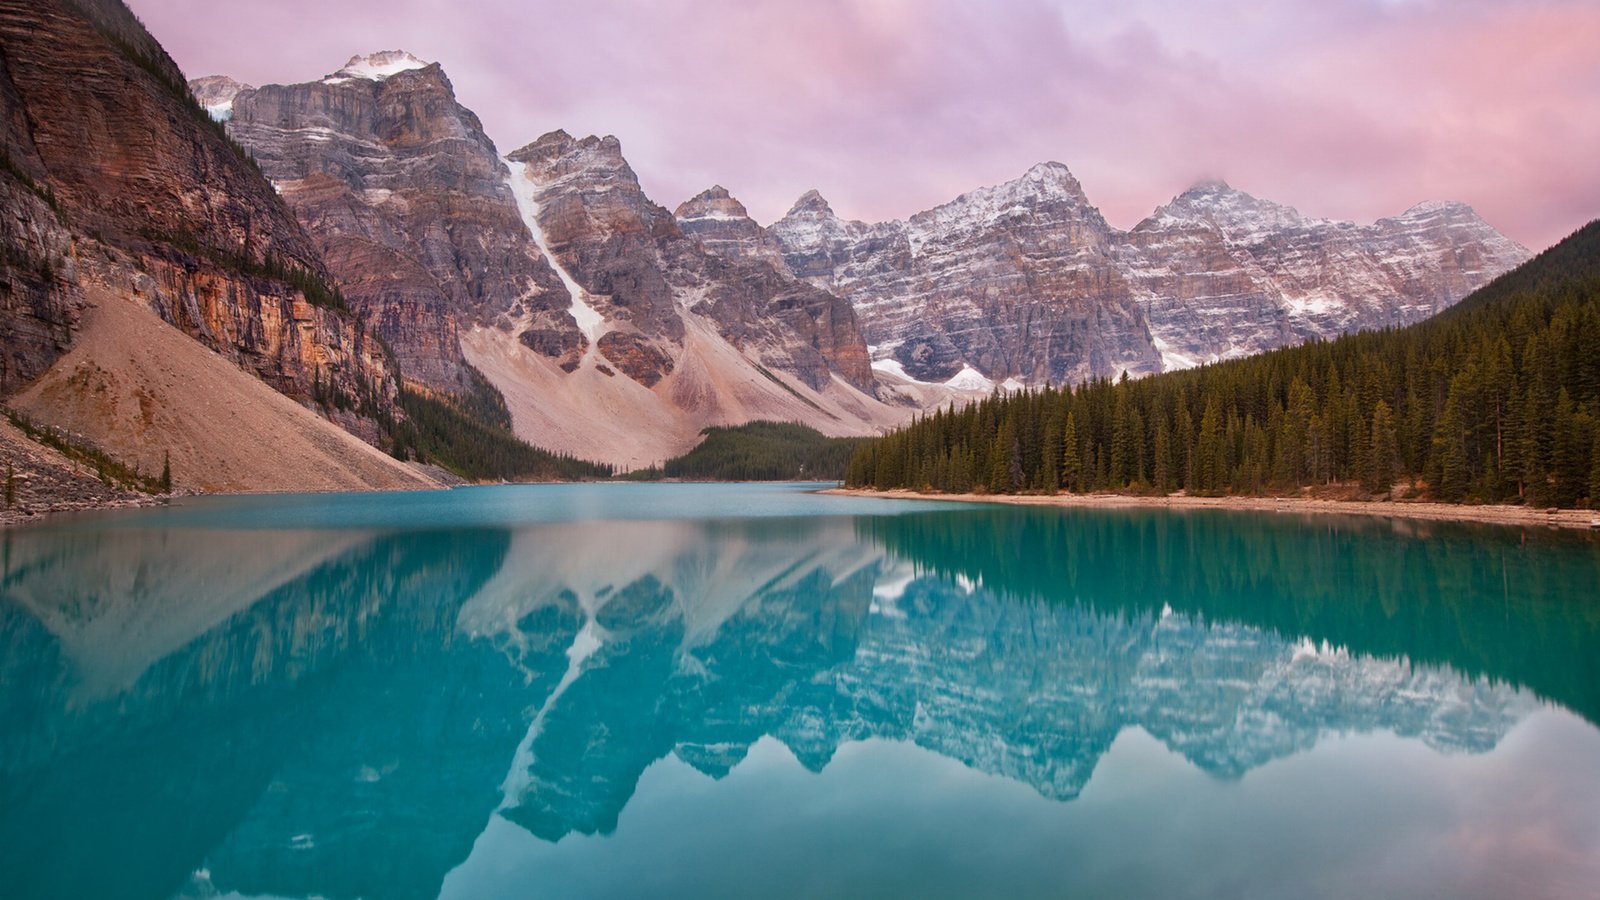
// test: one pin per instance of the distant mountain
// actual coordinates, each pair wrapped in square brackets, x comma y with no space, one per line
[1026,280]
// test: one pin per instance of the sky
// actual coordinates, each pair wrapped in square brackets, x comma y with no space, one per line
[1348,109]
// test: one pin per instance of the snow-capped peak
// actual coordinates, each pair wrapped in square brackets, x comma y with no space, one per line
[216,93]
[1210,186]
[1429,208]
[377,66]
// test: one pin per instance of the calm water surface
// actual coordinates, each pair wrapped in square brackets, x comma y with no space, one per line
[755,691]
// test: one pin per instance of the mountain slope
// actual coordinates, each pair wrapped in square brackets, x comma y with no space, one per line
[133,382]
[1497,399]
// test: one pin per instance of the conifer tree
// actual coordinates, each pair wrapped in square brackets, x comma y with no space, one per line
[1071,461]
[1383,450]
[1594,471]
[1209,461]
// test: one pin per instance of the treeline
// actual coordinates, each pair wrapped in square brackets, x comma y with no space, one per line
[760,451]
[110,470]
[1496,399]
[471,436]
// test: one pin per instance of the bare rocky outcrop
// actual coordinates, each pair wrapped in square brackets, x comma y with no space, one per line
[216,93]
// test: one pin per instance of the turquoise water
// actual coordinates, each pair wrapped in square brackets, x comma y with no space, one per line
[757,691]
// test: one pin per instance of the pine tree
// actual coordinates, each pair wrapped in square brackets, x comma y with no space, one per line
[1163,462]
[1594,471]
[1071,460]
[1450,449]
[1383,450]
[166,473]
[1209,462]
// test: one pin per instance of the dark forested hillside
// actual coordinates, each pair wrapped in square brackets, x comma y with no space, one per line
[1496,399]
[470,434]
[762,451]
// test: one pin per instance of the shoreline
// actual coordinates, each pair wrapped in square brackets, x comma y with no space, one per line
[1577,519]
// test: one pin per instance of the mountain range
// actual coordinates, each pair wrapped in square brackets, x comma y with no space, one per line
[348,239]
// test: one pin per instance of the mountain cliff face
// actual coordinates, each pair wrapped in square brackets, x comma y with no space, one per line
[1016,280]
[1026,280]
[118,186]
[407,200]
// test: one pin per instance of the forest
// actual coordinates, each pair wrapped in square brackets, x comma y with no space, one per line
[470,434]
[1496,399]
[760,451]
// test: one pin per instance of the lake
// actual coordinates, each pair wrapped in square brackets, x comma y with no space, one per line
[757,691]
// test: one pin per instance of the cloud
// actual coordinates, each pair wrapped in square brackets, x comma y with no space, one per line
[1346,108]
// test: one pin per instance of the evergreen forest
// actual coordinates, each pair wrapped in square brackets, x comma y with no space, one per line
[1496,399]
[760,451]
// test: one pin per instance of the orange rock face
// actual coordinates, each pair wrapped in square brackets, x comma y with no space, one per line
[136,189]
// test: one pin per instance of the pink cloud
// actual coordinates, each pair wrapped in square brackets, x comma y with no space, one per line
[1347,108]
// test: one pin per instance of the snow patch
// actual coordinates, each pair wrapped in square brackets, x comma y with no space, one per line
[589,319]
[969,379]
[893,367]
[1171,359]
[588,639]
[713,216]
[376,66]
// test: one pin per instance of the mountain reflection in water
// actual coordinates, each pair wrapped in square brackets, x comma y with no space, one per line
[341,712]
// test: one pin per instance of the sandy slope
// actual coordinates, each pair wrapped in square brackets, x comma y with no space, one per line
[612,418]
[138,388]
[1405,509]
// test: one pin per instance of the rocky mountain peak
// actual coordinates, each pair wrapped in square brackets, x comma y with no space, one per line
[724,228]
[407,199]
[1453,210]
[596,161]
[1046,192]
[378,66]
[811,202]
[1053,175]
[712,203]
[1209,186]
[216,93]
[1215,203]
